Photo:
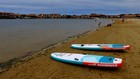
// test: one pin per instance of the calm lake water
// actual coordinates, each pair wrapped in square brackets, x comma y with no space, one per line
[19,36]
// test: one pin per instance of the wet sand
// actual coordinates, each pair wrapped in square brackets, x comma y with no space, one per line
[43,67]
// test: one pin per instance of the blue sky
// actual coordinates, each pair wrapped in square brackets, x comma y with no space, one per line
[71,6]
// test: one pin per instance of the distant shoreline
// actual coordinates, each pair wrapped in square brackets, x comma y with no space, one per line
[8,15]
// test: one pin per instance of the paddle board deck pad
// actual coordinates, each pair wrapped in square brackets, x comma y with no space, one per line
[87,60]
[101,46]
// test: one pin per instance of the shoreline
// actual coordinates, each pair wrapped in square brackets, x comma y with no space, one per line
[30,37]
[41,66]
[4,66]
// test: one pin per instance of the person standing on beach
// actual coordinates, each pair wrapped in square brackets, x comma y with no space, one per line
[99,24]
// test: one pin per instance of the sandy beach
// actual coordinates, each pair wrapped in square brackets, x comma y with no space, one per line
[43,67]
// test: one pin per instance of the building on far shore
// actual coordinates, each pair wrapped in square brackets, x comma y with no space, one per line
[130,16]
[53,15]
[85,16]
[42,15]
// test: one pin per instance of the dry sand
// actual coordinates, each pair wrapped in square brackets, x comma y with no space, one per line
[43,67]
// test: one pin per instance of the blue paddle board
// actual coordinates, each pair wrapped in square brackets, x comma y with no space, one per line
[87,60]
[101,46]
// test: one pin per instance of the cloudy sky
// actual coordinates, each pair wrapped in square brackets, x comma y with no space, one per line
[71,6]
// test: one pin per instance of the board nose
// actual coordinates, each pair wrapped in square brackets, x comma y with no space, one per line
[127,47]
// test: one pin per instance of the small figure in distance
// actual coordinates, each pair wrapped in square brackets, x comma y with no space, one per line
[122,19]
[99,24]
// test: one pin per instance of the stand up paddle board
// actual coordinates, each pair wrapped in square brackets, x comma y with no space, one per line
[101,46]
[87,60]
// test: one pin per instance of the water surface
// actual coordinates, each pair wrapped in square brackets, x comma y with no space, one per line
[19,36]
